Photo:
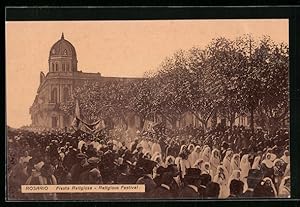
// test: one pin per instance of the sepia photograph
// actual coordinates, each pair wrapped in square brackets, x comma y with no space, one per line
[147,109]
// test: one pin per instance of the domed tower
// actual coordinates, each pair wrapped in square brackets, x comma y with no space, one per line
[62,57]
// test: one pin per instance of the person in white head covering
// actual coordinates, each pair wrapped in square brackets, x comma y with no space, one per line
[191,148]
[279,169]
[267,166]
[285,188]
[206,154]
[215,161]
[287,171]
[270,152]
[147,155]
[256,162]
[286,157]
[221,178]
[235,163]
[158,159]
[195,155]
[245,166]
[170,160]
[227,159]
[206,169]
[198,164]
[182,161]
[144,143]
[270,182]
[181,152]
[202,150]
[236,175]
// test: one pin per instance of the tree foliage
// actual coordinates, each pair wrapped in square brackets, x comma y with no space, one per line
[228,78]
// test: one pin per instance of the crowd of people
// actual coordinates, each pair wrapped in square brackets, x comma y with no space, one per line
[223,163]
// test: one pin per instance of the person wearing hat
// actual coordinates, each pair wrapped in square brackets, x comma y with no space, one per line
[125,171]
[108,167]
[158,175]
[94,176]
[174,172]
[253,178]
[236,189]
[204,180]
[17,177]
[78,167]
[191,181]
[212,190]
[92,164]
[163,189]
[147,178]
[47,178]
[70,158]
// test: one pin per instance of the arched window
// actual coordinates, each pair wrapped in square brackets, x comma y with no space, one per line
[68,67]
[65,52]
[54,95]
[63,67]
[56,66]
[66,94]
[52,67]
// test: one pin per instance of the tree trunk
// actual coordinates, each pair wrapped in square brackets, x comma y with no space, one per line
[232,119]
[252,119]
[214,120]
[142,122]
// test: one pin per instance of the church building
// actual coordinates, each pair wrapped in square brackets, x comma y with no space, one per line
[57,85]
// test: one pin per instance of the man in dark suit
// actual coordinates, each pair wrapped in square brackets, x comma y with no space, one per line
[204,180]
[164,189]
[236,189]
[191,180]
[147,179]
[253,178]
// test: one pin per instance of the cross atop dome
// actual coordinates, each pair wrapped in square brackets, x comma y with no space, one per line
[62,36]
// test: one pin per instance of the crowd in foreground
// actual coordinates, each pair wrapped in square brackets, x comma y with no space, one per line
[184,164]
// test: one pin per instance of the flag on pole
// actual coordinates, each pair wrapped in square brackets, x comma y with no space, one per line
[77,109]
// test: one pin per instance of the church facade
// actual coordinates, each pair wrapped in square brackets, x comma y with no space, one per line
[57,85]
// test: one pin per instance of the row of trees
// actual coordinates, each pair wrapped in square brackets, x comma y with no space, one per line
[228,78]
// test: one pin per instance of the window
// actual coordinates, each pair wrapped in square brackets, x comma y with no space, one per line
[67,66]
[54,122]
[65,52]
[63,67]
[66,94]
[54,95]
[56,66]
[52,67]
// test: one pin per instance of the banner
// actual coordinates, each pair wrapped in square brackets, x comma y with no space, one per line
[94,128]
[79,124]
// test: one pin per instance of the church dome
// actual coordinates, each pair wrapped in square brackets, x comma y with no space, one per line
[62,57]
[63,48]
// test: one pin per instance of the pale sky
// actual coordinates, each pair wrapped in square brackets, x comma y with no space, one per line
[113,48]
